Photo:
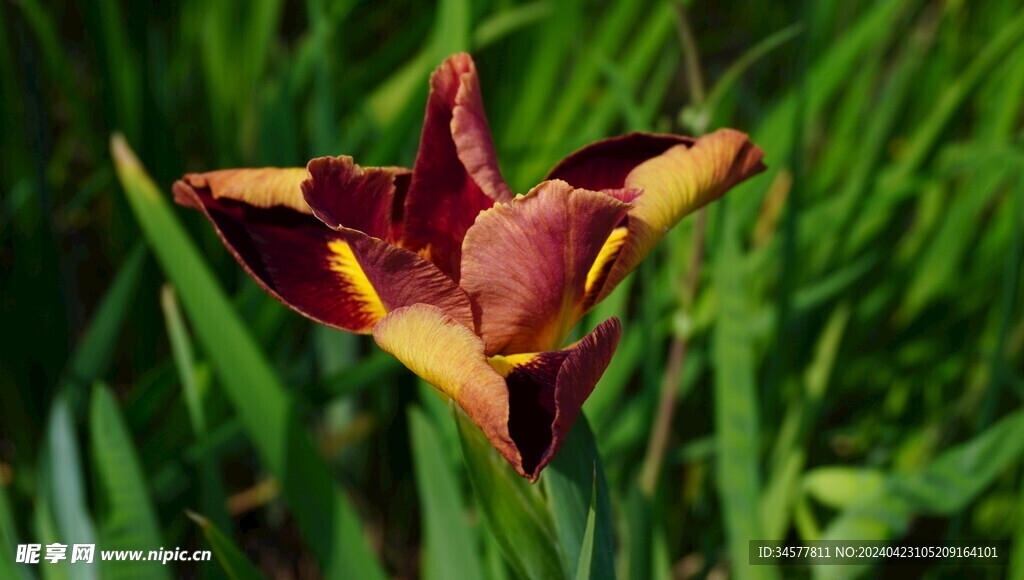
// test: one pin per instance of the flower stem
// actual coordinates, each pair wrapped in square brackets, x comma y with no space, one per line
[662,428]
[657,445]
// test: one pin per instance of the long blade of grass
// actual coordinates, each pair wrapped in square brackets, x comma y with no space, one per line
[736,409]
[450,548]
[62,476]
[230,557]
[574,484]
[128,520]
[587,548]
[331,526]
[211,494]
[98,343]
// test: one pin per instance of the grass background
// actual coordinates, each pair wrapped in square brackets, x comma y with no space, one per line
[853,362]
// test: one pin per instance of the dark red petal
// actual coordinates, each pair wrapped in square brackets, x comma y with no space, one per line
[547,392]
[605,164]
[456,173]
[343,194]
[344,279]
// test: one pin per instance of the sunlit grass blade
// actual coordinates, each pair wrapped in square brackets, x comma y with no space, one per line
[840,487]
[46,533]
[790,453]
[450,546]
[732,75]
[587,547]
[943,487]
[127,519]
[737,431]
[232,560]
[515,510]
[509,20]
[331,526]
[574,484]
[64,481]
[959,474]
[212,497]
[928,133]
[828,74]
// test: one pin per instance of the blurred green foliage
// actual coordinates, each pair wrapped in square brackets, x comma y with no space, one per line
[854,361]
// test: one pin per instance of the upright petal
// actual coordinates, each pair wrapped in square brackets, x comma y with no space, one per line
[677,175]
[456,174]
[525,264]
[345,279]
[525,404]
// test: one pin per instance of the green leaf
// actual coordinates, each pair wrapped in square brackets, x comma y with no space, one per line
[587,547]
[450,548]
[574,483]
[231,559]
[508,21]
[211,491]
[330,525]
[944,487]
[957,476]
[840,487]
[98,344]
[62,479]
[46,533]
[127,520]
[515,510]
[736,405]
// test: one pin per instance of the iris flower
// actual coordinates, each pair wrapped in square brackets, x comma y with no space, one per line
[473,289]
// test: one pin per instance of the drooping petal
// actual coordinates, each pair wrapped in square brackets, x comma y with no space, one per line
[677,175]
[525,264]
[343,194]
[525,404]
[345,279]
[552,387]
[264,187]
[456,174]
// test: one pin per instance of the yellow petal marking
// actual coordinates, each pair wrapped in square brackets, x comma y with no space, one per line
[609,251]
[344,262]
[505,364]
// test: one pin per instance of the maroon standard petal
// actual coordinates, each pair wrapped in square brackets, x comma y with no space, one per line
[456,173]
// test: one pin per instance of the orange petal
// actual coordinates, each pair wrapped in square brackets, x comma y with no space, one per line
[525,264]
[677,176]
[345,279]
[265,187]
